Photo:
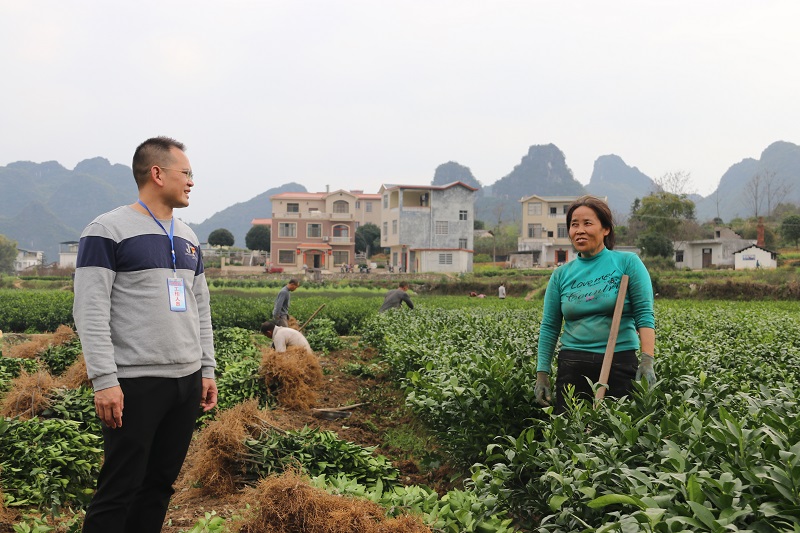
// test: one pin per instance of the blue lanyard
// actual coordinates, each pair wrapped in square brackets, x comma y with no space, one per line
[170,235]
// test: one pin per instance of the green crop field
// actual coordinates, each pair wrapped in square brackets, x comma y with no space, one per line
[713,446]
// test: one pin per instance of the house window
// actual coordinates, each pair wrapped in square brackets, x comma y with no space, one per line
[340,206]
[462,215]
[286,257]
[549,234]
[565,209]
[462,243]
[534,231]
[441,227]
[535,208]
[314,230]
[287,229]
[341,231]
[385,231]
[386,201]
[292,208]
[340,257]
[368,207]
[445,259]
[562,231]
[394,258]
[553,211]
[358,204]
[679,256]
[394,227]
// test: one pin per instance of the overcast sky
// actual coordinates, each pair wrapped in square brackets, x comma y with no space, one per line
[353,94]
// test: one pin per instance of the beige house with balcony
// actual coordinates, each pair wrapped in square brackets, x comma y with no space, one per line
[317,230]
[544,232]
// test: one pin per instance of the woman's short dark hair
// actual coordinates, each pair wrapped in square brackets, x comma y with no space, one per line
[603,213]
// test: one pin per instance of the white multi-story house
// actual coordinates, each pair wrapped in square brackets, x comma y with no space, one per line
[28,259]
[428,228]
[544,229]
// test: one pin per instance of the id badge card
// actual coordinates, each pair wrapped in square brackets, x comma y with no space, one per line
[177,294]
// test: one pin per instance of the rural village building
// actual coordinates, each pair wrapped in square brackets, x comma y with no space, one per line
[27,259]
[709,253]
[754,256]
[544,239]
[68,254]
[317,230]
[428,228]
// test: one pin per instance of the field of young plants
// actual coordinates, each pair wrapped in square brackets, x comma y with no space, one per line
[713,446]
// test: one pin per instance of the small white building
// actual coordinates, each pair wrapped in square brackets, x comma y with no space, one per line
[754,256]
[709,253]
[68,254]
[28,259]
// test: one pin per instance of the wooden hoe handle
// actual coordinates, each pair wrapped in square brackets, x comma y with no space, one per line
[605,370]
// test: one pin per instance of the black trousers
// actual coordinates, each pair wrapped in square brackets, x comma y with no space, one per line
[144,457]
[575,367]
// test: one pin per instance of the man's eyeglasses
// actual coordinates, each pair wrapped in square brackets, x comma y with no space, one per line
[189,174]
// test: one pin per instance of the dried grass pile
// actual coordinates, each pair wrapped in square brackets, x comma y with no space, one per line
[28,395]
[30,348]
[75,376]
[288,504]
[215,457]
[295,375]
[63,335]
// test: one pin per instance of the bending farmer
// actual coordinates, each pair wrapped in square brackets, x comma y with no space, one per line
[283,337]
[394,298]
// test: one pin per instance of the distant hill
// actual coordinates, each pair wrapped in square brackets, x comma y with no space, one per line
[42,204]
[237,217]
[621,183]
[452,171]
[780,161]
[543,170]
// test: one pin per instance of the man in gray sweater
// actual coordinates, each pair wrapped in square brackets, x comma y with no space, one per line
[142,313]
[394,298]
[280,313]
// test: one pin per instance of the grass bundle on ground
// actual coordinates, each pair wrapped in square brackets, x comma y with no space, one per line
[215,457]
[28,395]
[295,375]
[75,375]
[63,335]
[288,504]
[30,348]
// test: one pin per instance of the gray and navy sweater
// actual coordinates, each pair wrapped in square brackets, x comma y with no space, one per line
[121,309]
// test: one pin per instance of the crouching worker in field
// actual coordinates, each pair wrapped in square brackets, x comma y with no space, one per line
[283,337]
[394,298]
[581,296]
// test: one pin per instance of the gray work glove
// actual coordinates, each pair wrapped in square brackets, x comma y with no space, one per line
[542,388]
[646,369]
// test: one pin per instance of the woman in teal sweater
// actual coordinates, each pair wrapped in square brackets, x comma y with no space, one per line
[581,295]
